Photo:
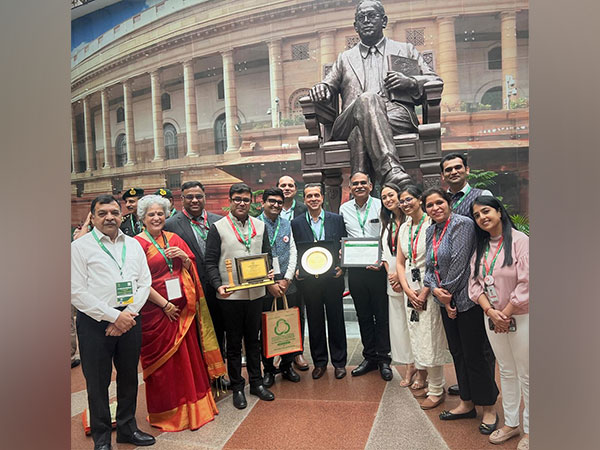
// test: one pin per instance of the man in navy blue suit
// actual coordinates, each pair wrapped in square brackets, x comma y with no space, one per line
[324,293]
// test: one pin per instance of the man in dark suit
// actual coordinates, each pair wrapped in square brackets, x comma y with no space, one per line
[369,118]
[293,208]
[324,291]
[192,224]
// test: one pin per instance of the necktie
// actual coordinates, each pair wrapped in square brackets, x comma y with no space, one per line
[372,71]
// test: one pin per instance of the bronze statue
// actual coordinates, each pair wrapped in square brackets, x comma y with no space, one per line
[377,102]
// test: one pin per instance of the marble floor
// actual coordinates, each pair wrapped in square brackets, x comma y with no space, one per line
[352,413]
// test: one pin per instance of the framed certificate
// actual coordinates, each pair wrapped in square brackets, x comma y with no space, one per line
[360,252]
[252,271]
[252,268]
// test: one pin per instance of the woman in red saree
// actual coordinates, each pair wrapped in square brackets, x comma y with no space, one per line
[176,367]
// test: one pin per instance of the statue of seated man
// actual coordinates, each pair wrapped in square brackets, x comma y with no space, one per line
[369,118]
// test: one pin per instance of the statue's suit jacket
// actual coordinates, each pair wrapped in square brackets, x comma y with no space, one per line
[180,225]
[347,76]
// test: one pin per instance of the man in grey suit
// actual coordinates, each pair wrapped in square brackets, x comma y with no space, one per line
[369,118]
[192,224]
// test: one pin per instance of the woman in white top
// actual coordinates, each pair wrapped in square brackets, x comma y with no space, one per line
[391,219]
[426,330]
[500,285]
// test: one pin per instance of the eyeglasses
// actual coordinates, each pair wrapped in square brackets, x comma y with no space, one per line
[370,16]
[272,201]
[238,200]
[193,196]
[406,200]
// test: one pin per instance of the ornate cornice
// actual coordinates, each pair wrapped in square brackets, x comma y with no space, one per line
[210,30]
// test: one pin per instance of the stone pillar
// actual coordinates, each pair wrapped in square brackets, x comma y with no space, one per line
[446,62]
[191,114]
[108,151]
[157,117]
[508,32]
[397,33]
[74,147]
[276,81]
[230,100]
[89,145]
[327,53]
[129,131]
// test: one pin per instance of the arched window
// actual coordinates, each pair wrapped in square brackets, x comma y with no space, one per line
[493,97]
[170,134]
[120,114]
[495,59]
[121,150]
[165,101]
[220,135]
[294,103]
[221,90]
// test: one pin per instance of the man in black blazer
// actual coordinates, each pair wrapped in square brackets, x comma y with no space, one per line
[325,291]
[192,224]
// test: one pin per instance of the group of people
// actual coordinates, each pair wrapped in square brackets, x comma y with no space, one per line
[458,284]
[451,286]
[151,286]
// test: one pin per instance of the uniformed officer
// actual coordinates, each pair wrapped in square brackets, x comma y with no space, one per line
[131,225]
[166,193]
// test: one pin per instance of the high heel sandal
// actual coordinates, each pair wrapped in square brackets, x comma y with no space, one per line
[406,382]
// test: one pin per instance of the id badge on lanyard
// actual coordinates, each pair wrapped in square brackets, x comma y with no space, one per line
[124,293]
[173,287]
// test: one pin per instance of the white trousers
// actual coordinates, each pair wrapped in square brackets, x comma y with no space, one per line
[512,354]
[435,379]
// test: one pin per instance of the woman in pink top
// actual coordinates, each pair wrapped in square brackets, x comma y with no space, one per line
[500,285]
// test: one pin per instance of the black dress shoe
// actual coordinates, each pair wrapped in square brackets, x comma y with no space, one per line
[318,372]
[239,399]
[340,372]
[103,447]
[447,415]
[453,390]
[268,379]
[289,374]
[364,367]
[486,428]
[386,371]
[262,392]
[138,438]
[75,362]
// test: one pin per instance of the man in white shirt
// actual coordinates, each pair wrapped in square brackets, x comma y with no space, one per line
[368,286]
[110,282]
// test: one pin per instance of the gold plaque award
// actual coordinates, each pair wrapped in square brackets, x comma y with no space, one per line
[252,271]
[316,260]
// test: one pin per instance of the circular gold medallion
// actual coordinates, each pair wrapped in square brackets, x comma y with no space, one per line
[317,260]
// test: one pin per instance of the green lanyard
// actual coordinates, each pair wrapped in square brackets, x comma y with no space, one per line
[462,198]
[322,216]
[133,227]
[412,248]
[488,270]
[169,261]
[276,232]
[363,220]
[103,247]
[240,236]
[290,212]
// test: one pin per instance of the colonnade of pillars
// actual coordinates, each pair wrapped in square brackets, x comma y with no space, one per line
[447,68]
